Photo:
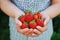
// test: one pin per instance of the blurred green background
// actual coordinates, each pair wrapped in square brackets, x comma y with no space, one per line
[4,27]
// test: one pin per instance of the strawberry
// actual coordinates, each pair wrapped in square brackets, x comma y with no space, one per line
[22,18]
[40,23]
[28,18]
[32,24]
[39,15]
[24,25]
[27,12]
[35,16]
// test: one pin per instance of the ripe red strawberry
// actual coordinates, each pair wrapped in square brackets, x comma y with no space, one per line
[39,15]
[22,18]
[35,16]
[32,24]
[27,13]
[40,23]
[29,18]
[24,25]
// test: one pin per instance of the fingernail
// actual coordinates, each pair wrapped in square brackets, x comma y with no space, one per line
[34,30]
[33,34]
[31,29]
[37,26]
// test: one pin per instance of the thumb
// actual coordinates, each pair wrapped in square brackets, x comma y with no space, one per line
[46,21]
[19,23]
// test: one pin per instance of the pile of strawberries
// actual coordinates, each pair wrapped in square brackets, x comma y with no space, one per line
[30,20]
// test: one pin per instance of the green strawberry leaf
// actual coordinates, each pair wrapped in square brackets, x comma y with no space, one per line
[29,11]
[20,16]
[33,21]
[26,22]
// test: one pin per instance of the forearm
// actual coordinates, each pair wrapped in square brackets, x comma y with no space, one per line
[53,10]
[9,8]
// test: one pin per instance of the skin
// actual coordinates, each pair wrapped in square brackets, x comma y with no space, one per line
[11,10]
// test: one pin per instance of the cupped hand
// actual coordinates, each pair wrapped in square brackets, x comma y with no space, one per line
[25,31]
[39,30]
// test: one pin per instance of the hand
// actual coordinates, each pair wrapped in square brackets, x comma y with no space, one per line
[25,31]
[40,29]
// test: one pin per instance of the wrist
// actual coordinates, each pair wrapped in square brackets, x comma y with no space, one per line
[45,14]
[18,14]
